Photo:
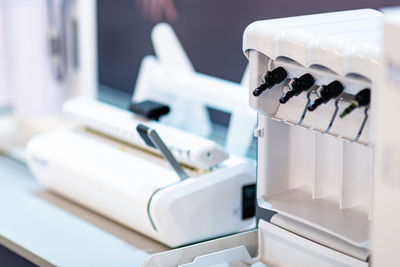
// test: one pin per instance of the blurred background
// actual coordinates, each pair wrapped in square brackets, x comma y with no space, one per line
[210,31]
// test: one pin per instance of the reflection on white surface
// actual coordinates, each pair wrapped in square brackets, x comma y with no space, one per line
[51,233]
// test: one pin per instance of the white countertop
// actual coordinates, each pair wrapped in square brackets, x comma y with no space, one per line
[49,230]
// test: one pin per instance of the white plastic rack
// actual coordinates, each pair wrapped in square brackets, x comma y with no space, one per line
[315,169]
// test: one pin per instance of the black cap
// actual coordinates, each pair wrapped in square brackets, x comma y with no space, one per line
[271,78]
[326,93]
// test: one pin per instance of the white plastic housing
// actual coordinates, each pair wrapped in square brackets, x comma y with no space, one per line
[319,183]
[319,178]
[267,246]
[190,149]
[140,190]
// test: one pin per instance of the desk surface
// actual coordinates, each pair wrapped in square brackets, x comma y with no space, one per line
[49,230]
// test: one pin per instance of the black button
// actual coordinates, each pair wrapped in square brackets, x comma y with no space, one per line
[248,201]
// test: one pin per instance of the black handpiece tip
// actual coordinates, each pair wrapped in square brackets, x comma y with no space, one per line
[348,110]
[284,99]
[288,95]
[312,107]
[257,91]
[315,104]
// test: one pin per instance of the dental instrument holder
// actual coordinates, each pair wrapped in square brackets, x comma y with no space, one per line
[315,168]
[314,185]
[151,138]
